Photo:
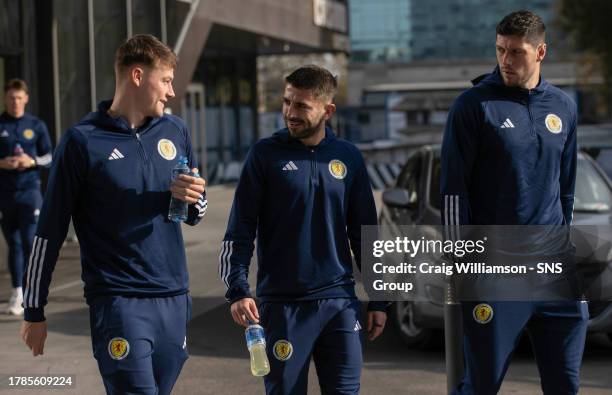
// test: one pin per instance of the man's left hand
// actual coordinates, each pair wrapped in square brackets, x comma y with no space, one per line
[376,323]
[24,161]
[34,335]
[188,188]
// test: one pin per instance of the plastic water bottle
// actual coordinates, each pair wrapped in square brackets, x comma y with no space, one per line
[178,208]
[256,343]
[18,151]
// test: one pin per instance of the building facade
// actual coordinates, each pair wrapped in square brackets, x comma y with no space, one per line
[381,31]
[446,43]
[465,29]
[422,30]
[65,50]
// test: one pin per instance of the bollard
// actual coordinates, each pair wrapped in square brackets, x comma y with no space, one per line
[453,338]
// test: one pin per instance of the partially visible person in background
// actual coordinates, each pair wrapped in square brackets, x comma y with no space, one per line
[25,147]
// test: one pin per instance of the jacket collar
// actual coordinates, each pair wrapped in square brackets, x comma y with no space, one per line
[103,120]
[496,81]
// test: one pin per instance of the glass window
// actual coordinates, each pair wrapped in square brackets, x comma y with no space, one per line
[604,160]
[110,29]
[146,17]
[410,177]
[10,25]
[2,81]
[592,192]
[434,187]
[73,49]
[176,13]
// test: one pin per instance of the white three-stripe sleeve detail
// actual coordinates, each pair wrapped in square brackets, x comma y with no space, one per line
[224,261]
[224,266]
[221,260]
[201,205]
[39,274]
[29,271]
[457,222]
[43,160]
[451,217]
[34,270]
[228,263]
[446,224]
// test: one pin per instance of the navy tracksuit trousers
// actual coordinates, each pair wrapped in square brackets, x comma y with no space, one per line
[140,343]
[20,210]
[328,330]
[557,331]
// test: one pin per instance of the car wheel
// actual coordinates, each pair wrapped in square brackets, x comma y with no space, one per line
[403,319]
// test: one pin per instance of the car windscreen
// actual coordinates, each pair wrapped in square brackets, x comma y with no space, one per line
[434,186]
[592,191]
[604,160]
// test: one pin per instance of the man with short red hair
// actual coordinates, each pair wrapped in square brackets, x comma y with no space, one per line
[112,176]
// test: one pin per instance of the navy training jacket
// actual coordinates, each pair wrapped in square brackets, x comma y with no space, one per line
[509,156]
[306,205]
[32,134]
[114,182]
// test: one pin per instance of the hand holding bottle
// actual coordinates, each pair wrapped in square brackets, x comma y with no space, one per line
[188,186]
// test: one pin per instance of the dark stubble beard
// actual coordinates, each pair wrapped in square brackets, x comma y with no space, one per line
[307,131]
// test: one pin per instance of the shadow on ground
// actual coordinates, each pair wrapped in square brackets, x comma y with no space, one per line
[214,334]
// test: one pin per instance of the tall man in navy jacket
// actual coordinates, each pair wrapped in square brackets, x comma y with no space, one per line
[25,148]
[112,175]
[509,158]
[305,194]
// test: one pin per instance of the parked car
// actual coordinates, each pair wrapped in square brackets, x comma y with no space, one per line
[596,141]
[415,200]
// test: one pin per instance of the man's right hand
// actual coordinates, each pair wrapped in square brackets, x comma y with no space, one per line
[244,310]
[9,163]
[34,335]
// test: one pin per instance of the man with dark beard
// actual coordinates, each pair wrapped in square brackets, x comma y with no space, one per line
[305,194]
[509,158]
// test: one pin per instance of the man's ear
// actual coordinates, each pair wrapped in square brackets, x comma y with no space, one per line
[137,75]
[330,109]
[540,52]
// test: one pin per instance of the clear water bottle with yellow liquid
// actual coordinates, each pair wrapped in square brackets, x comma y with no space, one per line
[256,343]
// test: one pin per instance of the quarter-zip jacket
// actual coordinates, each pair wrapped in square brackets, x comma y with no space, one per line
[306,205]
[114,182]
[509,156]
[32,134]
